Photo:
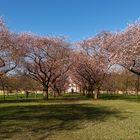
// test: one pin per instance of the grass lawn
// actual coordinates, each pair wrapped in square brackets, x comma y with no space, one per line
[70,118]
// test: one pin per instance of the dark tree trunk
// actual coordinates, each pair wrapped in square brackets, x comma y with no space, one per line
[4,95]
[27,94]
[46,92]
[137,85]
[83,92]
[90,93]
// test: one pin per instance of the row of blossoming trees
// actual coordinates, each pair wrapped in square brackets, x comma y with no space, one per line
[51,61]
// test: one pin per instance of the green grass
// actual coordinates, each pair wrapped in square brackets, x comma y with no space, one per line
[70,118]
[21,96]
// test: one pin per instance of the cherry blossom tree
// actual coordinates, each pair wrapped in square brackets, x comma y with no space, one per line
[123,48]
[128,48]
[8,49]
[90,69]
[45,60]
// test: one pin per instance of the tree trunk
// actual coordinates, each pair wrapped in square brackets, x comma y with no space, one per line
[54,94]
[90,93]
[45,90]
[4,95]
[137,86]
[96,93]
[17,94]
[35,93]
[83,92]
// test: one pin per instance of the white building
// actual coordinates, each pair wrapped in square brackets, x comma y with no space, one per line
[72,87]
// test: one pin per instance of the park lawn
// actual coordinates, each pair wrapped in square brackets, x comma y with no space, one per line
[20,96]
[71,119]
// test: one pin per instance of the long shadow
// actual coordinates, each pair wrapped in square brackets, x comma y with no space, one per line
[51,118]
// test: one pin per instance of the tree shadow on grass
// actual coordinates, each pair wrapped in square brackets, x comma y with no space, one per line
[48,119]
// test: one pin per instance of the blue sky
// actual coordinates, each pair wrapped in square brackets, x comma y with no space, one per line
[75,19]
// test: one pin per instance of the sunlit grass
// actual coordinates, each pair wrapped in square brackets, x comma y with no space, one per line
[64,119]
